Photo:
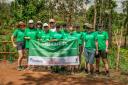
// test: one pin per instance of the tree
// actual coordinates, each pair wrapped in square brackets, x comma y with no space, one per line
[125,10]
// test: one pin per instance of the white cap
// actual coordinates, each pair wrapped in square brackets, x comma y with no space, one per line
[39,22]
[45,24]
[51,20]
[30,21]
[21,22]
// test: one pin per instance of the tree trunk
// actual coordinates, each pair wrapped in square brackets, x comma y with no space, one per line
[118,58]
[95,14]
[126,34]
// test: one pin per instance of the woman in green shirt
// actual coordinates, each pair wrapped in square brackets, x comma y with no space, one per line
[20,42]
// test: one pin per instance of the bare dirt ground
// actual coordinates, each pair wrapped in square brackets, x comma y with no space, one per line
[10,76]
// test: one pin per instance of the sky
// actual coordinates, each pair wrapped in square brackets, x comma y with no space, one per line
[118,8]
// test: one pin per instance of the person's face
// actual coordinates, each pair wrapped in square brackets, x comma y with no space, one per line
[31,25]
[38,25]
[58,29]
[46,28]
[52,24]
[77,29]
[70,28]
[100,29]
[89,29]
[22,26]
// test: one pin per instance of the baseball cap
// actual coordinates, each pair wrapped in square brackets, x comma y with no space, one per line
[30,21]
[45,24]
[51,20]
[39,22]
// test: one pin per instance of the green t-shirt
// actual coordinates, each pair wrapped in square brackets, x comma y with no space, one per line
[19,35]
[57,35]
[66,34]
[46,36]
[78,35]
[32,34]
[101,37]
[89,39]
[39,33]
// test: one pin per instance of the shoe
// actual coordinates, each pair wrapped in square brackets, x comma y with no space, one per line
[20,68]
[86,71]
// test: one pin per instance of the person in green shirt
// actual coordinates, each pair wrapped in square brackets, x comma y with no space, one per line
[30,33]
[52,25]
[102,50]
[20,42]
[46,34]
[39,26]
[70,35]
[89,38]
[78,34]
[63,27]
[66,33]
[58,34]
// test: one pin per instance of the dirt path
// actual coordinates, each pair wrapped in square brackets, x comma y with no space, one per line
[10,76]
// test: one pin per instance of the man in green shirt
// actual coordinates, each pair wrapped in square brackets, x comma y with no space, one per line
[52,25]
[102,50]
[20,42]
[66,33]
[46,34]
[58,34]
[30,33]
[89,38]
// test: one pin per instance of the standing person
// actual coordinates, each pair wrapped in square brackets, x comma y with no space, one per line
[58,34]
[52,25]
[55,37]
[71,36]
[64,26]
[39,27]
[30,33]
[20,42]
[102,50]
[46,34]
[89,48]
[78,34]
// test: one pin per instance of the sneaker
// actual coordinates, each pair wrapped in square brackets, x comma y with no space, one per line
[86,71]
[19,68]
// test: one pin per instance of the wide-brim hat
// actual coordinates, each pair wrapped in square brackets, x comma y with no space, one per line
[90,26]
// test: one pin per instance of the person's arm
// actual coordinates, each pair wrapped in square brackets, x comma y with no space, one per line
[107,46]
[107,43]
[96,42]
[26,37]
[12,40]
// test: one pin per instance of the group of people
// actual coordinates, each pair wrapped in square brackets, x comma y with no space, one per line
[94,44]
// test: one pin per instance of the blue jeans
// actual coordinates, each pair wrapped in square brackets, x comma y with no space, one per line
[89,54]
